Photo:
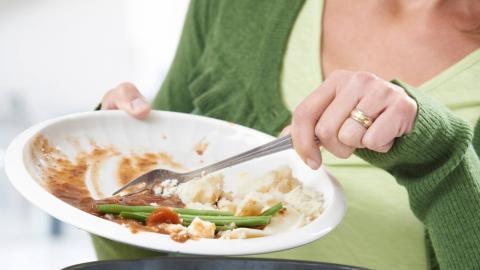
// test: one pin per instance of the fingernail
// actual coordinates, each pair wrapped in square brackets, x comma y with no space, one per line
[312,164]
[138,104]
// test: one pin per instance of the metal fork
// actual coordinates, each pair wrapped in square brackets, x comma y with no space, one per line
[151,178]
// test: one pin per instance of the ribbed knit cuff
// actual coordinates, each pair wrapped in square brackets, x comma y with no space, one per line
[476,138]
[437,136]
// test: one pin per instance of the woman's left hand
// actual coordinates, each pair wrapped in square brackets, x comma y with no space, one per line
[327,114]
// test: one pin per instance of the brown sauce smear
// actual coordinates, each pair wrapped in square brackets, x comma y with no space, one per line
[62,177]
[126,171]
[201,146]
[144,199]
[136,226]
[65,178]
[132,167]
[96,157]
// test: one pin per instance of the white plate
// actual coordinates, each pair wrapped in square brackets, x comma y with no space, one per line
[176,134]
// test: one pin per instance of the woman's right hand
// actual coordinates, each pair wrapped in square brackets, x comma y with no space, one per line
[126,97]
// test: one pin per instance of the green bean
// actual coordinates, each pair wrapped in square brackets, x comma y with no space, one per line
[219,218]
[139,216]
[117,208]
[273,210]
[247,221]
[224,228]
[196,212]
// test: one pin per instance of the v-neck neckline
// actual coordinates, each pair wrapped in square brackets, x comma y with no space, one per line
[446,74]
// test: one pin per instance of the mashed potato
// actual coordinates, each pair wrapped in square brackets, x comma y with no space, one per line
[201,229]
[242,233]
[306,201]
[279,186]
[250,197]
[205,190]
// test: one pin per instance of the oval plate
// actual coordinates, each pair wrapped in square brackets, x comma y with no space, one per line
[176,134]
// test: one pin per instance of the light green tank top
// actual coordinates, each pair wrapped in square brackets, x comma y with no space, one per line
[379,230]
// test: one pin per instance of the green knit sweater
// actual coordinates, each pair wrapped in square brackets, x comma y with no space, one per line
[228,66]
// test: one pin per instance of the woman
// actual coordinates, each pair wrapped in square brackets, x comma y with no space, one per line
[329,68]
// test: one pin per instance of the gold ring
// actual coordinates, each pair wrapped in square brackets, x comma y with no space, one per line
[362,118]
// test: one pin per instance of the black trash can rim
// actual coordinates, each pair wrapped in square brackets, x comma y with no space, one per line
[206,262]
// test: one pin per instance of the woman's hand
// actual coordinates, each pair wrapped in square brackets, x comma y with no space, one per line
[126,97]
[326,113]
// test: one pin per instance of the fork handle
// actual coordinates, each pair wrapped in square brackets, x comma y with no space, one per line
[277,145]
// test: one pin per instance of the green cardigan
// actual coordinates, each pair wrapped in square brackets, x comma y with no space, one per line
[228,66]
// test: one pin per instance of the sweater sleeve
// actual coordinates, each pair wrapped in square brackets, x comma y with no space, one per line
[174,94]
[437,164]
[476,138]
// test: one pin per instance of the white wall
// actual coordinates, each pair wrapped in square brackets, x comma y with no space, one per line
[58,57]
[63,55]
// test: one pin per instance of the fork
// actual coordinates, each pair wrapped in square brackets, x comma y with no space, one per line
[154,177]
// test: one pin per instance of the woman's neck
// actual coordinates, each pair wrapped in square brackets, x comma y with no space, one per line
[463,14]
[430,4]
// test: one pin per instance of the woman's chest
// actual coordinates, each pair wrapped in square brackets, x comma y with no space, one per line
[412,48]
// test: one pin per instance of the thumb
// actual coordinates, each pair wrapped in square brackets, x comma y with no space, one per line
[129,99]
[138,107]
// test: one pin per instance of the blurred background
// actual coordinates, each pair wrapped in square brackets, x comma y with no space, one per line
[59,57]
